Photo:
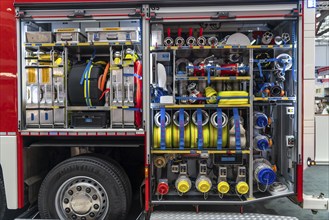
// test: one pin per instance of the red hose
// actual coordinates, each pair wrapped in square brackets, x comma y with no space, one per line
[138,94]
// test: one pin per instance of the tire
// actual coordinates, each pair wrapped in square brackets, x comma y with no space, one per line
[116,167]
[69,189]
[3,204]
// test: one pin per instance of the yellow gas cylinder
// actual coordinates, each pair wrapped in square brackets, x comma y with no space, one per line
[223,187]
[176,130]
[117,57]
[205,130]
[213,127]
[242,187]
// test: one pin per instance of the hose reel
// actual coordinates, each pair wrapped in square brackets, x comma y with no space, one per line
[162,132]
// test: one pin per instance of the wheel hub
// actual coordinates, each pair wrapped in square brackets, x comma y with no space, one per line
[81,203]
[81,198]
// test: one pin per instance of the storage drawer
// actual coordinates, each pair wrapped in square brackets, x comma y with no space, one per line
[46,117]
[39,37]
[89,119]
[32,117]
[114,34]
[69,35]
[59,116]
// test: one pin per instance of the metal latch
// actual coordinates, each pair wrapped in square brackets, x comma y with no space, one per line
[22,14]
[137,13]
[154,17]
[79,14]
[223,15]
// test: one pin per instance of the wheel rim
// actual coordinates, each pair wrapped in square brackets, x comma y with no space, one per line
[81,198]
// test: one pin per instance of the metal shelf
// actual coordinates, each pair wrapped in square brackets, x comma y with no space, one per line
[214,78]
[186,106]
[97,108]
[274,98]
[221,47]
[192,151]
[85,44]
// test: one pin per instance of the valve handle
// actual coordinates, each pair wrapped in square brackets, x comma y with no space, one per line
[190,32]
[179,32]
[201,32]
[168,32]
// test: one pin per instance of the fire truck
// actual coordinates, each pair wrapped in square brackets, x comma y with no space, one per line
[190,102]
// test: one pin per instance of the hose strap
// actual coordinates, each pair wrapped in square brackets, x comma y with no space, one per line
[163,128]
[237,129]
[181,129]
[200,133]
[219,129]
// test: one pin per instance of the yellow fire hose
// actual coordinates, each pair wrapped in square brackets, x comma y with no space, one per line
[214,131]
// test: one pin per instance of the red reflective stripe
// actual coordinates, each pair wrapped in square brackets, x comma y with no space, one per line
[93,15]
[20,172]
[242,16]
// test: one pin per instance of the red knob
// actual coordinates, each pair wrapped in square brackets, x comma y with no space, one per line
[163,188]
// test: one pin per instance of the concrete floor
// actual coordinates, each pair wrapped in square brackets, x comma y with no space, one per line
[316,180]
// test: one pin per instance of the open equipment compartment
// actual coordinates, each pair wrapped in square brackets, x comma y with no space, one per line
[81,73]
[243,69]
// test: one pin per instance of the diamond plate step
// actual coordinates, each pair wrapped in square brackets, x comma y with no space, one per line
[165,215]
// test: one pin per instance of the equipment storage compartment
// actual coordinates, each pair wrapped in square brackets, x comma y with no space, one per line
[113,34]
[218,96]
[89,119]
[69,83]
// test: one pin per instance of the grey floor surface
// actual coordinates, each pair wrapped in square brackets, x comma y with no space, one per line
[316,180]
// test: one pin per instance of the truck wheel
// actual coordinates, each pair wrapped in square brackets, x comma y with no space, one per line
[83,188]
[3,205]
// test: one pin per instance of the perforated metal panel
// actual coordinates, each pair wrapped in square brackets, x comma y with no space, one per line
[161,215]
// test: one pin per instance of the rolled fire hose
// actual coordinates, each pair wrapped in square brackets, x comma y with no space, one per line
[179,41]
[215,131]
[181,129]
[212,94]
[200,129]
[201,41]
[103,81]
[162,140]
[237,132]
[168,41]
[191,41]
[138,93]
[263,172]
